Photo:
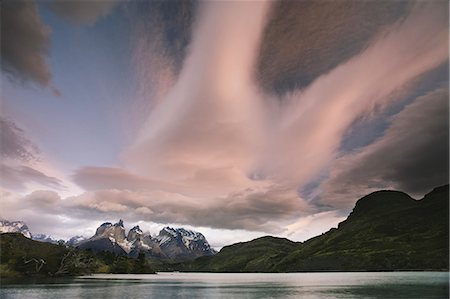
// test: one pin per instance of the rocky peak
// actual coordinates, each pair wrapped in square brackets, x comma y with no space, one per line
[177,243]
[74,241]
[182,243]
[134,234]
[15,227]
[107,230]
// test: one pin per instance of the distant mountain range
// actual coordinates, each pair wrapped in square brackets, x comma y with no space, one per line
[170,243]
[387,230]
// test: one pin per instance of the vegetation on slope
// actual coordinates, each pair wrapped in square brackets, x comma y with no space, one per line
[20,256]
[387,230]
[259,255]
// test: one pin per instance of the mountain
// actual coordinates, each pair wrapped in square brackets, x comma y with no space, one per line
[108,237]
[75,240]
[169,244]
[15,227]
[179,243]
[387,230]
[258,255]
[48,239]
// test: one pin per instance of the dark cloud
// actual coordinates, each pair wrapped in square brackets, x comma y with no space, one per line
[13,143]
[249,209]
[412,156]
[17,177]
[306,39]
[25,42]
[82,11]
[171,22]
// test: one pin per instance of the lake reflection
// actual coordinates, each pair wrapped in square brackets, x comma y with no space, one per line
[230,285]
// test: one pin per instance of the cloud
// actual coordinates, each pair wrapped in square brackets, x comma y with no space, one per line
[306,39]
[97,178]
[20,157]
[254,210]
[161,39]
[25,42]
[313,225]
[42,211]
[18,177]
[307,129]
[411,156]
[216,152]
[82,11]
[14,144]
[203,123]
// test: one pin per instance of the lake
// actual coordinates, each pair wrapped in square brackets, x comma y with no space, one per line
[239,285]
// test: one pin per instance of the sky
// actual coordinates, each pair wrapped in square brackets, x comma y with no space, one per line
[236,119]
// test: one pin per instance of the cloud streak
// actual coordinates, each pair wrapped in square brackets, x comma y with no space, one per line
[14,144]
[82,11]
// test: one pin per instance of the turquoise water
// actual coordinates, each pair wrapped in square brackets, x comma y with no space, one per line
[253,285]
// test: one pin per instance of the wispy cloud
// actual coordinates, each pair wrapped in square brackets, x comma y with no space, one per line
[14,144]
[217,152]
[20,157]
[82,11]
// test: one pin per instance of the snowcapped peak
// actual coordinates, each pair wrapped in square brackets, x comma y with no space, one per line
[169,231]
[14,227]
[178,243]
[137,229]
[135,234]
[75,240]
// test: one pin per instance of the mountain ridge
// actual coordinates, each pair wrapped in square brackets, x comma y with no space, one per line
[398,237]
[170,243]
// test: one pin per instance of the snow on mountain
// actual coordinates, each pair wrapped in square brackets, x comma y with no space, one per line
[174,243]
[47,239]
[74,241]
[109,237]
[15,227]
[135,234]
[180,243]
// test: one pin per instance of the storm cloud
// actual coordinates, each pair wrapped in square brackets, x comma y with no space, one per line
[25,42]
[412,155]
[306,39]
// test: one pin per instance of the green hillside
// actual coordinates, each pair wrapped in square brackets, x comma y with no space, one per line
[259,255]
[23,257]
[387,230]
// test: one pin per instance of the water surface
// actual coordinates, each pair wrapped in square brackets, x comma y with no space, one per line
[239,285]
